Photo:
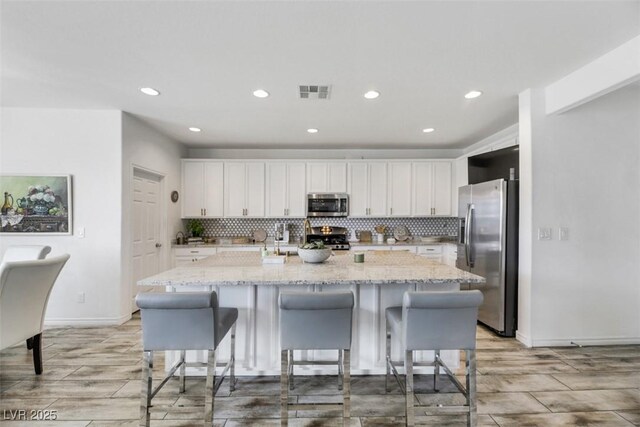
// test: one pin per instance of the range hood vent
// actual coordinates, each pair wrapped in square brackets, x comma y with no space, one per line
[314,91]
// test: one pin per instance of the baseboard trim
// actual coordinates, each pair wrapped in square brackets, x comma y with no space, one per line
[87,321]
[523,339]
[585,341]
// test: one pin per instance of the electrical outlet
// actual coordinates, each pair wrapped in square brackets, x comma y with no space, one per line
[80,297]
[563,233]
[544,233]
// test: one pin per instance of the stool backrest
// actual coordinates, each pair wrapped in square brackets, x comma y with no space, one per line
[316,320]
[440,320]
[178,321]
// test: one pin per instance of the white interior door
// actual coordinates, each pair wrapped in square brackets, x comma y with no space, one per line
[147,220]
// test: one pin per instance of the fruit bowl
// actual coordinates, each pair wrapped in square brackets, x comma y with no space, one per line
[314,256]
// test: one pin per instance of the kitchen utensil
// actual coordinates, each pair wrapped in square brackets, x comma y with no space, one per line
[260,235]
[380,229]
[365,236]
[240,240]
[401,233]
[180,240]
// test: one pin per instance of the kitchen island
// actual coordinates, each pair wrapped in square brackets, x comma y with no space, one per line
[242,281]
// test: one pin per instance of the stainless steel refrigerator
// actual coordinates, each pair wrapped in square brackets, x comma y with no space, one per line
[488,247]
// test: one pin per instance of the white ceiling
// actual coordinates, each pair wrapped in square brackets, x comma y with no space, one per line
[207,57]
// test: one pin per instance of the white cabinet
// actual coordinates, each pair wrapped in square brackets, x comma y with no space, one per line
[183,256]
[451,255]
[432,252]
[367,188]
[202,188]
[399,189]
[431,188]
[244,189]
[326,177]
[286,190]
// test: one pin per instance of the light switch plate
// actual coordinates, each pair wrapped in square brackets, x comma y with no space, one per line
[81,232]
[544,233]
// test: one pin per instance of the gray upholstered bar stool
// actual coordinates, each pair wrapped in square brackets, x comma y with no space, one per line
[185,321]
[435,321]
[315,321]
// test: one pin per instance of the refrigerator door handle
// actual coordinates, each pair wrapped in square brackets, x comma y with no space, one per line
[468,237]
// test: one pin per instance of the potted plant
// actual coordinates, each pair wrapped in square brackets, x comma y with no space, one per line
[314,252]
[195,228]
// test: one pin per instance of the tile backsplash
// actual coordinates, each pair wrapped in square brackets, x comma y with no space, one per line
[232,227]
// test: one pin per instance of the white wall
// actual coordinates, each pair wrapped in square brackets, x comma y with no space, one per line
[147,148]
[584,177]
[87,145]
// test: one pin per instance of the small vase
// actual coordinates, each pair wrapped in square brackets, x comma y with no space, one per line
[40,210]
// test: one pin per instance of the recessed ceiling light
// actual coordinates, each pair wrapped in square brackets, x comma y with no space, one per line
[194,129]
[372,94]
[473,94]
[149,91]
[312,130]
[428,130]
[260,93]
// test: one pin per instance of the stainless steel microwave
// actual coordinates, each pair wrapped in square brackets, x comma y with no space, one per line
[327,204]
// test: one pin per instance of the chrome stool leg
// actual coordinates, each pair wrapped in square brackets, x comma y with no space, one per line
[408,368]
[472,419]
[387,358]
[436,371]
[183,367]
[290,371]
[232,359]
[340,370]
[210,388]
[284,387]
[346,387]
[147,387]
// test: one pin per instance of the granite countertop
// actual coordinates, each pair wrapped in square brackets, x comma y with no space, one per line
[246,268]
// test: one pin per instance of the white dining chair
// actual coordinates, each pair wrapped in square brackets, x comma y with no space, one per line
[25,287]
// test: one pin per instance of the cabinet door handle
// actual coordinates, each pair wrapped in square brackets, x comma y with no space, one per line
[391,211]
[205,211]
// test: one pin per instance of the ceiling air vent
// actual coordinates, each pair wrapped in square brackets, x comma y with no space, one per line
[314,92]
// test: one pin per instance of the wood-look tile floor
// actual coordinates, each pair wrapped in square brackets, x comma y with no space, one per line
[92,378]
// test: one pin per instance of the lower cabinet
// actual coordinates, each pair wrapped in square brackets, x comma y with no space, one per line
[183,256]
[432,252]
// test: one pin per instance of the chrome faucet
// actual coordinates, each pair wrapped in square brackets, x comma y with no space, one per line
[306,225]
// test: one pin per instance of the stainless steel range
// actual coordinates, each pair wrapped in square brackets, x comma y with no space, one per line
[337,238]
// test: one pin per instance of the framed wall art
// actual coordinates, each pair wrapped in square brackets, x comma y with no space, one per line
[35,204]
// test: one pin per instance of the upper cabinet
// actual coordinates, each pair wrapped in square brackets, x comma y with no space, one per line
[431,188]
[278,188]
[202,188]
[399,194]
[367,189]
[244,192]
[286,189]
[326,177]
